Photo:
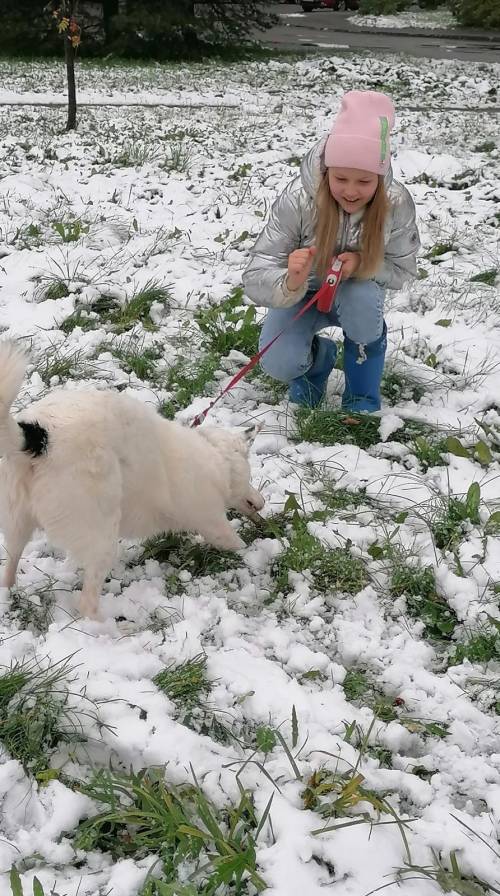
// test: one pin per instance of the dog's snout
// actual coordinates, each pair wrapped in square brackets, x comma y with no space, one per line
[255,501]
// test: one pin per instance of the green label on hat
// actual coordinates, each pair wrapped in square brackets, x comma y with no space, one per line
[384,135]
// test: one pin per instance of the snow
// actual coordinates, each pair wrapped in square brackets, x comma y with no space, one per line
[192,230]
[440,18]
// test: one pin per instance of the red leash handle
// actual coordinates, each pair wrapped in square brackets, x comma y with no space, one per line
[326,293]
[324,298]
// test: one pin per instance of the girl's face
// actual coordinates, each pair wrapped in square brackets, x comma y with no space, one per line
[352,188]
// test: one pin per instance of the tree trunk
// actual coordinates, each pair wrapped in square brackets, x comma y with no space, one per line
[69,55]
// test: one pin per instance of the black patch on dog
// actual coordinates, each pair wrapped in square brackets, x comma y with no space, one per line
[36,438]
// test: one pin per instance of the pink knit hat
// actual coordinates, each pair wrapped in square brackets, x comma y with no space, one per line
[360,135]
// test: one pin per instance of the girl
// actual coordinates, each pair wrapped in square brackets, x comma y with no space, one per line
[346,203]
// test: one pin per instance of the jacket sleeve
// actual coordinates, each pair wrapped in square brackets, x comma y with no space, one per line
[264,277]
[401,248]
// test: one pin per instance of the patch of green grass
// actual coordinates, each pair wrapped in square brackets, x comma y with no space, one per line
[449,525]
[426,442]
[82,318]
[184,684]
[463,180]
[28,235]
[355,684]
[167,409]
[119,318]
[135,358]
[177,158]
[137,308]
[381,754]
[332,570]
[242,170]
[418,586]
[486,146]
[334,794]
[182,554]
[89,316]
[336,427]
[71,230]
[63,365]
[144,816]
[360,689]
[190,378]
[481,647]
[230,326]
[274,526]
[439,249]
[428,453]
[447,875]
[55,289]
[136,153]
[338,499]
[488,277]
[397,387]
[16,886]
[34,713]
[32,611]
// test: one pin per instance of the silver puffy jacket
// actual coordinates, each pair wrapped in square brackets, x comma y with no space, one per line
[291,226]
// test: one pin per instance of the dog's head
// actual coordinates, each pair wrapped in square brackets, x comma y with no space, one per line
[234,445]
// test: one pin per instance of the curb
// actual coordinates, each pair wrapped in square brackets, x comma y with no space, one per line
[458,34]
[429,33]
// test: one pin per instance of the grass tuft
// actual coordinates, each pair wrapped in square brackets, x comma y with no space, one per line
[230,326]
[188,379]
[489,277]
[197,558]
[336,427]
[64,365]
[186,683]
[144,816]
[137,308]
[34,713]
[135,358]
[418,586]
[397,387]
[332,570]
[451,522]
[481,647]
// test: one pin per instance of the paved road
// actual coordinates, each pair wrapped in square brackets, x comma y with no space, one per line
[330,31]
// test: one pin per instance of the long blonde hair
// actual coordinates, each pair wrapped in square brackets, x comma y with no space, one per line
[372,229]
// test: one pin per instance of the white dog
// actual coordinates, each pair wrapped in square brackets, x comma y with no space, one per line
[92,466]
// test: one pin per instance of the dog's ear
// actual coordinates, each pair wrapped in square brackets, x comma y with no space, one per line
[250,432]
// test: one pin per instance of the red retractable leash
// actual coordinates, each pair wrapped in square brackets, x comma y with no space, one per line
[324,297]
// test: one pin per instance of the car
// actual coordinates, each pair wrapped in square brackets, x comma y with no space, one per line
[309,5]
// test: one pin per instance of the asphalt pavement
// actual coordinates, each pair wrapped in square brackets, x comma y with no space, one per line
[329,31]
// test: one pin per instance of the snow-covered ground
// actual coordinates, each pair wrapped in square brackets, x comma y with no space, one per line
[441,18]
[115,186]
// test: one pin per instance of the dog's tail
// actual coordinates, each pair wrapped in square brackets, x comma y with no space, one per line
[13,363]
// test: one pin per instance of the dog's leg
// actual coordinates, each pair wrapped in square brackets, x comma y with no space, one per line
[16,539]
[97,560]
[80,512]
[17,522]
[93,581]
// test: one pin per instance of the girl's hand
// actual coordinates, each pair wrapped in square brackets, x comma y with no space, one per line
[300,264]
[350,264]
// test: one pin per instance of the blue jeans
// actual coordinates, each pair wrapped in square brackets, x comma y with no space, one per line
[358,309]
